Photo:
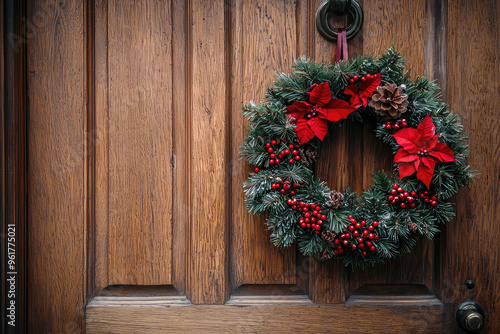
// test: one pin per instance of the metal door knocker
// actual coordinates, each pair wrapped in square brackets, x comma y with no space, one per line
[338,7]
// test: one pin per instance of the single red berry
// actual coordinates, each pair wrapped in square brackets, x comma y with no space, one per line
[320,222]
[306,205]
[345,242]
[318,227]
[413,193]
[354,247]
[270,150]
[292,192]
[307,220]
[290,161]
[376,237]
[290,146]
[307,214]
[368,75]
[363,79]
[361,246]
[396,126]
[272,156]
[350,216]
[271,162]
[388,126]
[434,203]
[268,145]
[313,219]
[365,232]
[400,190]
[372,248]
[290,202]
[360,240]
[371,227]
[318,207]
[355,78]
[277,161]
[286,152]
[375,224]
[358,225]
[256,170]
[315,212]
[351,228]
[347,235]
[323,217]
[412,205]
[336,241]
[363,223]
[353,221]
[395,186]
[308,225]
[355,233]
[396,199]
[371,236]
[390,198]
[351,81]
[273,142]
[302,225]
[402,205]
[369,243]
[297,158]
[282,191]
[406,194]
[393,191]
[434,198]
[364,253]
[294,207]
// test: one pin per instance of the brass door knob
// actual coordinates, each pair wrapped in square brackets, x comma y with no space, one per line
[471,317]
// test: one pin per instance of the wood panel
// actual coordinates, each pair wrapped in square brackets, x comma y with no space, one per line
[472,86]
[263,40]
[208,140]
[381,30]
[264,316]
[56,155]
[139,142]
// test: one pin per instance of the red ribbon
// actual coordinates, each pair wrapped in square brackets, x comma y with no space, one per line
[341,46]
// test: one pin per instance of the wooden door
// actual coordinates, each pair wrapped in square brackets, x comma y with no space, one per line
[136,220]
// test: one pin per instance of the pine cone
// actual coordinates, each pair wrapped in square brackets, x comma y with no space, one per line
[412,227]
[389,101]
[334,199]
[307,156]
[328,235]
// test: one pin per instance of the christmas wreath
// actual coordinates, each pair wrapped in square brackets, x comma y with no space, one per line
[284,138]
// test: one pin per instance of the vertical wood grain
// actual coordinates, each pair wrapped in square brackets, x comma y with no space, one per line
[470,245]
[209,120]
[180,143]
[56,142]
[263,41]
[13,113]
[140,142]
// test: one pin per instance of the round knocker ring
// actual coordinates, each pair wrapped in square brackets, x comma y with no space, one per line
[324,13]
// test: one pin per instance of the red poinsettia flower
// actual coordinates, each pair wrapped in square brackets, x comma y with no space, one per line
[312,117]
[361,93]
[421,151]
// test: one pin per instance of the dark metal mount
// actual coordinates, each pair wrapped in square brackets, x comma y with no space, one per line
[471,317]
[338,7]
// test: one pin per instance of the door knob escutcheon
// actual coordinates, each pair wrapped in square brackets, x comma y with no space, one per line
[471,317]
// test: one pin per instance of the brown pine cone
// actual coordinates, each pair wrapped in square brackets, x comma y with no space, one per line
[334,199]
[307,156]
[389,101]
[328,235]
[412,227]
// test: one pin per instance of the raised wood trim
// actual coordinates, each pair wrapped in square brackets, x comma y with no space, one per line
[261,316]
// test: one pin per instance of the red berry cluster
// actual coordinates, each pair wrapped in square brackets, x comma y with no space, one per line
[355,78]
[396,125]
[285,186]
[403,198]
[432,200]
[360,235]
[407,200]
[275,156]
[312,218]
